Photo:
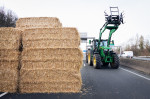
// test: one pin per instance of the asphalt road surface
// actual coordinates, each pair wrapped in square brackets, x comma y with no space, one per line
[106,83]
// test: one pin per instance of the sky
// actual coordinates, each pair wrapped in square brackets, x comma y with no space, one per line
[88,15]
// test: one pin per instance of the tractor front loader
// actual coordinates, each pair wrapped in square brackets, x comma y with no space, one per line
[101,54]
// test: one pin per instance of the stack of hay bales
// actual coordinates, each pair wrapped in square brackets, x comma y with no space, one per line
[9,59]
[51,60]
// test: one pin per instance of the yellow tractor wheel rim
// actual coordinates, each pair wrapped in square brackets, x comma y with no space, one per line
[94,61]
[89,58]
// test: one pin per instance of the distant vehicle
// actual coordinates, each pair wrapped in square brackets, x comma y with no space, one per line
[127,54]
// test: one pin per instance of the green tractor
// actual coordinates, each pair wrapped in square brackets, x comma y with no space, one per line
[100,53]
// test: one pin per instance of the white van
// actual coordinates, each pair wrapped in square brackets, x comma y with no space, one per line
[127,54]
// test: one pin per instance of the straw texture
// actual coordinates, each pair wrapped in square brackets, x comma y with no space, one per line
[9,56]
[38,22]
[46,75]
[50,38]
[8,86]
[50,87]
[52,64]
[64,54]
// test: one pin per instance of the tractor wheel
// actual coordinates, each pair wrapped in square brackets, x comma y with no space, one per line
[86,58]
[115,63]
[105,64]
[97,61]
[90,63]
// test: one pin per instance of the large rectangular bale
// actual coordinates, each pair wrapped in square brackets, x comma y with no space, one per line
[8,80]
[51,38]
[10,38]
[54,43]
[38,22]
[50,87]
[53,64]
[8,75]
[10,55]
[8,86]
[63,54]
[6,64]
[9,44]
[10,34]
[50,33]
[47,75]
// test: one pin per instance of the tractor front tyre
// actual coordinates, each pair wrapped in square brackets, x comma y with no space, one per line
[97,61]
[86,58]
[115,63]
[105,64]
[89,59]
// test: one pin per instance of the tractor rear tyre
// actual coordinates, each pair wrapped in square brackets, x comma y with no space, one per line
[90,63]
[97,61]
[115,63]
[86,58]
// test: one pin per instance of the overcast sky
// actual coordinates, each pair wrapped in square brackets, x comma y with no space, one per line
[88,15]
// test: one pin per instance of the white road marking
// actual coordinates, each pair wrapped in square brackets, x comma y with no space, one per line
[1,95]
[84,64]
[135,73]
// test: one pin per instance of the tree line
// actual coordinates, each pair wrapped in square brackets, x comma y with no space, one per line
[139,46]
[7,18]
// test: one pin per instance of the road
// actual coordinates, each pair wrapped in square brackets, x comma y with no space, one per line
[106,83]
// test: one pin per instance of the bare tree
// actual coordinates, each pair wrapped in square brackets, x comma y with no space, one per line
[147,45]
[2,17]
[141,42]
[7,18]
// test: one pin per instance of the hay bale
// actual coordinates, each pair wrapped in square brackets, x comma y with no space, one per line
[9,54]
[8,86]
[8,80]
[10,34]
[38,22]
[10,38]
[8,75]
[50,33]
[63,54]
[9,44]
[55,43]
[51,38]
[48,75]
[6,64]
[50,87]
[53,64]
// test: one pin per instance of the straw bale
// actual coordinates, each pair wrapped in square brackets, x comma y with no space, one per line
[10,34]
[51,33]
[50,87]
[46,75]
[56,43]
[6,64]
[9,44]
[8,75]
[64,54]
[9,54]
[38,22]
[8,86]
[53,64]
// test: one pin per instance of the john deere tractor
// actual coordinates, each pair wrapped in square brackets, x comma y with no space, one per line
[101,53]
